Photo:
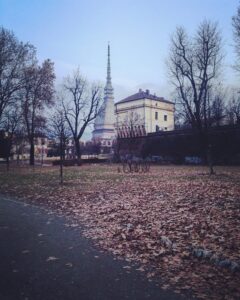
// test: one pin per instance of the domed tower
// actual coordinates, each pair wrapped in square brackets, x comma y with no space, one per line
[104,130]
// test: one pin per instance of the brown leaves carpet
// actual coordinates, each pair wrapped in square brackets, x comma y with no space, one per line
[159,220]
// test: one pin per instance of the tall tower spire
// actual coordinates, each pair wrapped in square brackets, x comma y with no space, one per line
[104,130]
[109,65]
[108,87]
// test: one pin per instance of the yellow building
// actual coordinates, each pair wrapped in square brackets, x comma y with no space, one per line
[143,113]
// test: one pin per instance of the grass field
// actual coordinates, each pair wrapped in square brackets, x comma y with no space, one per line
[177,222]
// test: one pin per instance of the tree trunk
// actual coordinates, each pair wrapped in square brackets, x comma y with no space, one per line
[7,163]
[18,158]
[78,150]
[8,154]
[32,158]
[209,154]
[209,159]
[63,150]
[61,160]
[207,150]
[61,171]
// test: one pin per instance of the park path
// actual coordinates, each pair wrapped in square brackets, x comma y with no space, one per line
[42,258]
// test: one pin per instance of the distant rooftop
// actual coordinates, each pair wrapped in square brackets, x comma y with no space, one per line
[141,95]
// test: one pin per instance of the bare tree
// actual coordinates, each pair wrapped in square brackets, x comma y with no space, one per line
[5,146]
[11,120]
[131,127]
[60,131]
[59,128]
[233,109]
[236,33]
[129,149]
[216,113]
[194,65]
[37,94]
[81,105]
[19,142]
[217,106]
[12,123]
[13,56]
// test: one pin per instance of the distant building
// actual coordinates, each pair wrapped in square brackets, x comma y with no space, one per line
[21,148]
[137,115]
[70,150]
[41,147]
[104,131]
[143,113]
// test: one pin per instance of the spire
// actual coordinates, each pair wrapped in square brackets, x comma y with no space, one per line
[108,88]
[104,123]
[108,66]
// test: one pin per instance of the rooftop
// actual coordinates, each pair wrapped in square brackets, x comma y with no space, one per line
[142,95]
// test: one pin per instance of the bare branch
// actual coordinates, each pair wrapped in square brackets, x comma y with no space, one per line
[81,105]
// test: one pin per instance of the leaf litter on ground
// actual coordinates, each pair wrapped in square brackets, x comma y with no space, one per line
[178,223]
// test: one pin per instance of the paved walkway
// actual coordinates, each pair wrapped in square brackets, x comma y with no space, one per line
[41,258]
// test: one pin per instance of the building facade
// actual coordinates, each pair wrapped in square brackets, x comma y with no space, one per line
[104,126]
[21,148]
[136,115]
[142,113]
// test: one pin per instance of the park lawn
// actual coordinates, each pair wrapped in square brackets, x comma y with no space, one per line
[176,222]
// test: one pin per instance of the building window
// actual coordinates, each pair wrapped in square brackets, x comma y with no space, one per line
[156,115]
[109,143]
[157,128]
[165,117]
[165,128]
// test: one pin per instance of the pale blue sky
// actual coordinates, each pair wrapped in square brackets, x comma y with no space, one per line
[75,33]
